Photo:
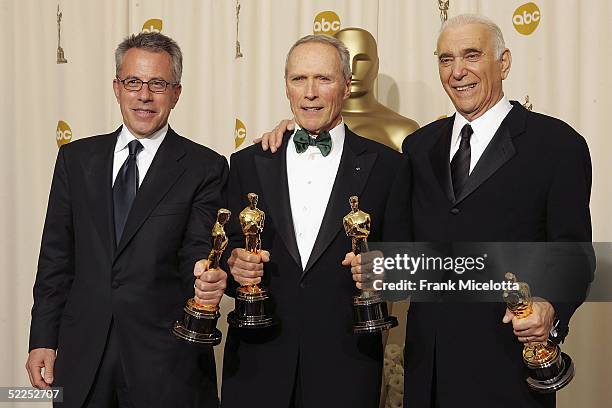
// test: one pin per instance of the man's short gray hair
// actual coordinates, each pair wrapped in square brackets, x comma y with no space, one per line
[343,52]
[153,42]
[499,45]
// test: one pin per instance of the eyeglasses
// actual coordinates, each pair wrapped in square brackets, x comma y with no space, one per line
[446,60]
[155,85]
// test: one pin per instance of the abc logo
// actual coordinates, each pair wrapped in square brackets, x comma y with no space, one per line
[326,22]
[526,18]
[63,133]
[239,133]
[153,25]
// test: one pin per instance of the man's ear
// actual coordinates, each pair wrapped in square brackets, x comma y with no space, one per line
[347,89]
[116,88]
[176,94]
[506,62]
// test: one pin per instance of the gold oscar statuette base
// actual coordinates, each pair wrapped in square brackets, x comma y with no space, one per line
[199,324]
[253,309]
[370,314]
[549,368]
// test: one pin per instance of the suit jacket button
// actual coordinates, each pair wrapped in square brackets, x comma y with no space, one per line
[455,211]
[302,285]
[115,284]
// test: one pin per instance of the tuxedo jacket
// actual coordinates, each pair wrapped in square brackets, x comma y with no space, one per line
[314,305]
[532,183]
[86,281]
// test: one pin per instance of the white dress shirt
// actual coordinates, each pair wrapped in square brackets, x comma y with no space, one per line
[311,177]
[145,157]
[484,128]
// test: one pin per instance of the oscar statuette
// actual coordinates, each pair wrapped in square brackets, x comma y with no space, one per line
[370,314]
[199,324]
[549,368]
[61,58]
[253,304]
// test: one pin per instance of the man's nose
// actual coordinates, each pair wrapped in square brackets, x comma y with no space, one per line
[145,94]
[458,67]
[311,89]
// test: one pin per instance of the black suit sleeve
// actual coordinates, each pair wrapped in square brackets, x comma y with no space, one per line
[398,212]
[56,261]
[209,197]
[568,215]
[397,225]
[568,221]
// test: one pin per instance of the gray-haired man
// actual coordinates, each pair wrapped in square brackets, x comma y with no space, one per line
[129,215]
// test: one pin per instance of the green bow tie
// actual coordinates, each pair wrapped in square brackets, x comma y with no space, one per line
[302,140]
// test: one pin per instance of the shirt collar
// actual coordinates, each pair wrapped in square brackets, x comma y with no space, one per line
[486,124]
[337,135]
[150,142]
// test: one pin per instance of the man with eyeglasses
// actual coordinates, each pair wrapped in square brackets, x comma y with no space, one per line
[129,216]
[492,172]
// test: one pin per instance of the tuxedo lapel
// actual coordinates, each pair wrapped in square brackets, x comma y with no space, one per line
[353,171]
[439,157]
[272,173]
[498,152]
[161,176]
[98,182]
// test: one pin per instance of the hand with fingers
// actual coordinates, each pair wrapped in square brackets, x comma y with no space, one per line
[535,327]
[246,267]
[362,268]
[40,367]
[210,284]
[274,138]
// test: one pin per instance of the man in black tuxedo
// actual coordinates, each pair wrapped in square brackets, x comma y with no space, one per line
[493,172]
[129,215]
[311,358]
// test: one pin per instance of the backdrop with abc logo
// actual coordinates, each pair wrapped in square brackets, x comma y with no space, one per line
[233,90]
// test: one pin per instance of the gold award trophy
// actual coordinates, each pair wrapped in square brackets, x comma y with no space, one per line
[370,314]
[549,368]
[199,324]
[253,304]
[362,113]
[61,59]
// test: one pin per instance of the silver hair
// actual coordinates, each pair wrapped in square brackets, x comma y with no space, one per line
[153,42]
[343,52]
[499,45]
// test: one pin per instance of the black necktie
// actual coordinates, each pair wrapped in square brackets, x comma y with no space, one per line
[460,165]
[124,189]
